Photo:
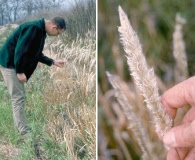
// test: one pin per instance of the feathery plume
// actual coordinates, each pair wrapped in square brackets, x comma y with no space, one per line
[144,78]
[181,72]
[139,131]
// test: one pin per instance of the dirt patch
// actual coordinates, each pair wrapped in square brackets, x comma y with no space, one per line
[9,151]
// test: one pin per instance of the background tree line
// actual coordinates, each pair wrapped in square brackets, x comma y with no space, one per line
[80,15]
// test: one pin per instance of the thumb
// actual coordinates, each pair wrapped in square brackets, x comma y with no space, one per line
[181,136]
[59,61]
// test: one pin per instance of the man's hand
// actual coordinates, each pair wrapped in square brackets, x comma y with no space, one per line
[22,77]
[59,63]
[181,138]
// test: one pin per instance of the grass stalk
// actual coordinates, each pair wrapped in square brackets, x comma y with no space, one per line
[144,77]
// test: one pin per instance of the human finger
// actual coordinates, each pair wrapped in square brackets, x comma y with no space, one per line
[181,136]
[177,153]
[178,96]
[191,154]
[190,116]
[62,62]
[21,77]
[23,80]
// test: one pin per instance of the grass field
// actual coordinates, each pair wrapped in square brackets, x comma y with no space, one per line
[60,106]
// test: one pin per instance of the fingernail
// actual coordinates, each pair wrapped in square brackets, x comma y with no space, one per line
[169,139]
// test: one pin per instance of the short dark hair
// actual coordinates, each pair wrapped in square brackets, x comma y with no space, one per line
[59,22]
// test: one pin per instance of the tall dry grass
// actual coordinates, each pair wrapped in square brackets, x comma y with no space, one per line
[144,77]
[179,50]
[71,96]
[66,104]
[126,128]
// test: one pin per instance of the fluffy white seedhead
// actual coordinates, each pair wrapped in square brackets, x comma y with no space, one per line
[135,124]
[179,53]
[144,77]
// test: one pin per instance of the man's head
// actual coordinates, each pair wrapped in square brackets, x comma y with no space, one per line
[55,26]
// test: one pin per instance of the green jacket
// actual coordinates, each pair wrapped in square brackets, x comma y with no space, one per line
[23,48]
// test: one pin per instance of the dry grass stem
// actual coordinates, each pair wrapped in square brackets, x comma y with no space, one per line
[144,78]
[134,121]
[72,122]
[179,53]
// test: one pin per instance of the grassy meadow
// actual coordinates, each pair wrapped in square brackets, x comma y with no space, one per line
[60,105]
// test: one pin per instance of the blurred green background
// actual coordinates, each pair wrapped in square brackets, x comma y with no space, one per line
[154,21]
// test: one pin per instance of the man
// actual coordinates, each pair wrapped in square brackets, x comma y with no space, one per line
[19,57]
[181,138]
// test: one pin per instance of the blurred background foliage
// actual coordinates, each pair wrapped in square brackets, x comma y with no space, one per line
[154,22]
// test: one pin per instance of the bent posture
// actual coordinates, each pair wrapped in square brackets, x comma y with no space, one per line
[19,57]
